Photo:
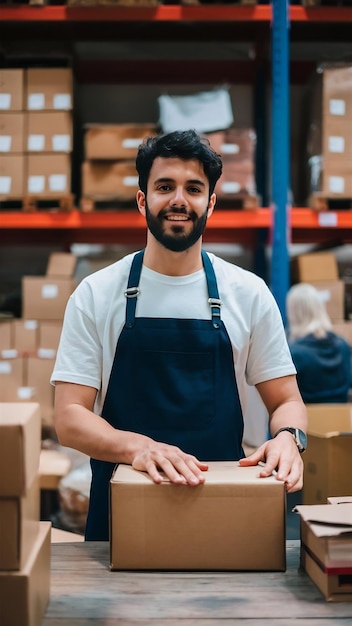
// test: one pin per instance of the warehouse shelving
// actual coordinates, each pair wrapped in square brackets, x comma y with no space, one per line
[177,22]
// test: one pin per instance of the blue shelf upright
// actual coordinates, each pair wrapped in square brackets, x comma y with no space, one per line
[280,152]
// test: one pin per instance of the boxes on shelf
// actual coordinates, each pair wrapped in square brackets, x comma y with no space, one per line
[326,548]
[238,177]
[216,526]
[332,293]
[114,179]
[12,376]
[115,141]
[12,176]
[11,89]
[45,297]
[328,456]
[49,131]
[12,132]
[49,334]
[5,335]
[25,335]
[49,89]
[61,264]
[237,144]
[48,175]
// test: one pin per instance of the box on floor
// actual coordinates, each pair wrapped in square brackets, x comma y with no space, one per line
[234,521]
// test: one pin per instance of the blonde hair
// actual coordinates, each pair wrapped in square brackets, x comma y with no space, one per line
[306,312]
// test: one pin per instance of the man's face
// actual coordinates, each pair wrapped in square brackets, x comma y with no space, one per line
[177,202]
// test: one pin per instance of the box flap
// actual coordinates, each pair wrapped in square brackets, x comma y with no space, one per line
[61,264]
[329,419]
[328,520]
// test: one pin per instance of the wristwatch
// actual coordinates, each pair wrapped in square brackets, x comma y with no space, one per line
[299,436]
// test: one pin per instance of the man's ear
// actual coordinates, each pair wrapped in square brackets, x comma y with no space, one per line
[140,197]
[211,205]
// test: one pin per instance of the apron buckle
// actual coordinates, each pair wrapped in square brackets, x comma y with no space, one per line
[215,302]
[132,292]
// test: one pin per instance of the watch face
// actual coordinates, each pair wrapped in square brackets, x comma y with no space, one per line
[302,438]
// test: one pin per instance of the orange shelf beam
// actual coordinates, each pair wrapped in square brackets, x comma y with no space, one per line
[162,13]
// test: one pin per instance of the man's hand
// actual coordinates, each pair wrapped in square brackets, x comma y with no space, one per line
[180,468]
[281,456]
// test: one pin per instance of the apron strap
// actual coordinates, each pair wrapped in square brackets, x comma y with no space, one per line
[214,300]
[133,290]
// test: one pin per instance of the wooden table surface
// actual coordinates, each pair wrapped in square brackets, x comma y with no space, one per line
[85,592]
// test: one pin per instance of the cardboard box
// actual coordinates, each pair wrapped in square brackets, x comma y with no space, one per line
[110,179]
[11,89]
[48,175]
[326,548]
[45,297]
[12,376]
[25,335]
[39,371]
[19,524]
[237,143]
[20,442]
[5,335]
[235,521]
[49,334]
[237,178]
[12,132]
[49,89]
[344,329]
[115,141]
[327,460]
[340,500]
[49,131]
[24,594]
[337,179]
[12,173]
[337,142]
[61,264]
[337,92]
[332,293]
[313,267]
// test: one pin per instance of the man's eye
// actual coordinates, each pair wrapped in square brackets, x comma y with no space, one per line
[164,188]
[194,190]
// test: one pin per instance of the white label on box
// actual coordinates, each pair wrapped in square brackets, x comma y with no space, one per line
[336,144]
[36,101]
[5,101]
[57,182]
[131,143]
[230,148]
[36,143]
[46,353]
[336,184]
[25,393]
[30,324]
[5,367]
[5,184]
[327,219]
[130,181]
[61,143]
[62,101]
[36,184]
[230,187]
[9,354]
[337,107]
[5,143]
[324,295]
[50,291]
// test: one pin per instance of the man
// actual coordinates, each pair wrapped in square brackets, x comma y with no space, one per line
[157,349]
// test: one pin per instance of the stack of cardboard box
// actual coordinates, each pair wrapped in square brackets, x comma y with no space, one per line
[109,172]
[28,345]
[24,540]
[35,132]
[326,546]
[329,137]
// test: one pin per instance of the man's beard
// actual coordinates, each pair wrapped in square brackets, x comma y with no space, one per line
[178,241]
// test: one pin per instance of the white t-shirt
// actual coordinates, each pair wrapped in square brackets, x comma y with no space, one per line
[95,315]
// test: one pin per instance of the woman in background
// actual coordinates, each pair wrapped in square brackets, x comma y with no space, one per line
[322,358]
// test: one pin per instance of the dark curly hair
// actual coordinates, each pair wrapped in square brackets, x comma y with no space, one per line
[185,145]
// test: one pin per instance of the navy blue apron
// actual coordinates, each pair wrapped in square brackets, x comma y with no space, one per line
[172,380]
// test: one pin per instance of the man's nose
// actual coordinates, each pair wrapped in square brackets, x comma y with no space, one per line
[178,198]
